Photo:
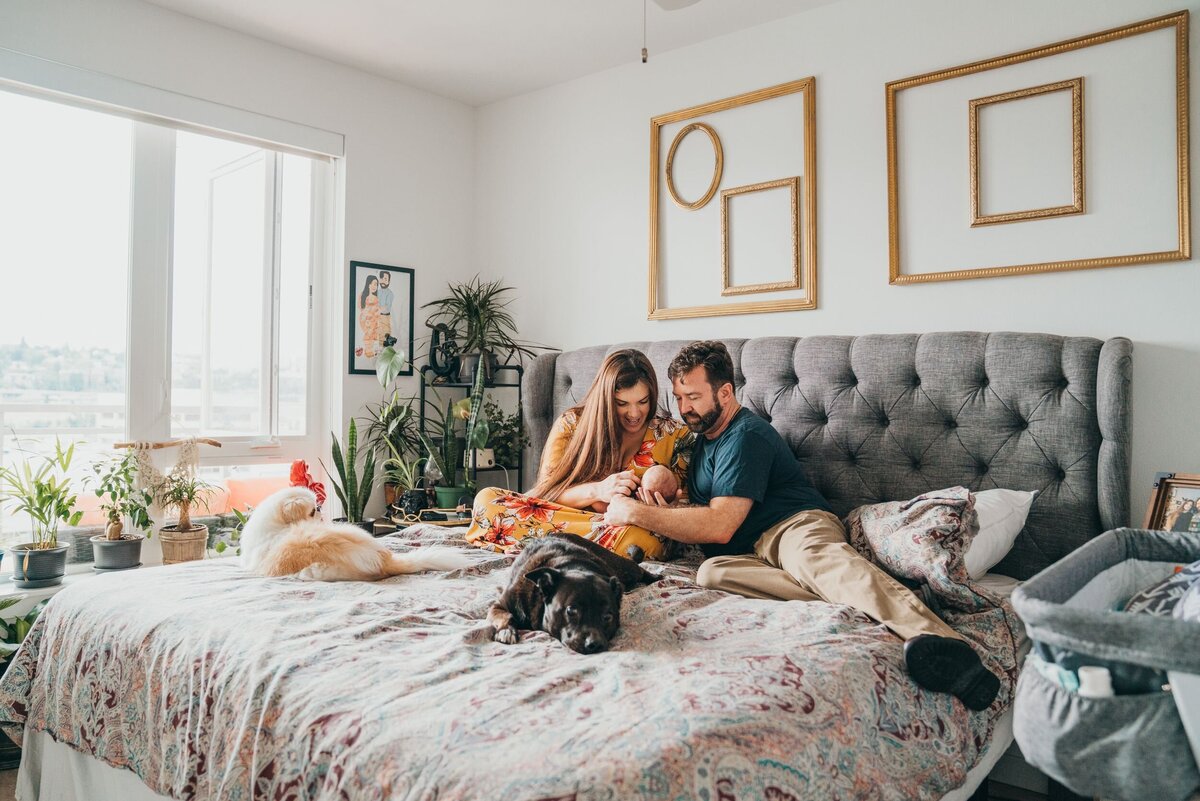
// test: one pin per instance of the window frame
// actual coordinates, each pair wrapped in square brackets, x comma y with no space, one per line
[150,329]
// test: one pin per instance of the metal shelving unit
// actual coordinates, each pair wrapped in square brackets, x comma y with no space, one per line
[518,372]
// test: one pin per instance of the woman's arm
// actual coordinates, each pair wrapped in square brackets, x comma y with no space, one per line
[590,494]
[597,494]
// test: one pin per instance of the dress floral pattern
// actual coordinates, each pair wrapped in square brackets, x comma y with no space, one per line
[501,518]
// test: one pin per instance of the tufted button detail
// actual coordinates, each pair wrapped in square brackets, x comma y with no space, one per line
[916,381]
[951,423]
[916,464]
[854,381]
[1060,474]
[1022,425]
[853,459]
[1063,383]
[985,381]
[822,418]
[981,468]
[884,421]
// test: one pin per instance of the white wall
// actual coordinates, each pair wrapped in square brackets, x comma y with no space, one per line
[408,169]
[561,206]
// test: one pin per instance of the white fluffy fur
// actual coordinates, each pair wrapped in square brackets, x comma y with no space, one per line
[285,537]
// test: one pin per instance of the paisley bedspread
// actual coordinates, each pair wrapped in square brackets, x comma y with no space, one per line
[210,683]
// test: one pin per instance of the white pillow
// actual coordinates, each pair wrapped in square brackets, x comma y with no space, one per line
[1002,514]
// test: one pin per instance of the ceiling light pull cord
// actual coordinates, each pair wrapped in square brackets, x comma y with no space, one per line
[645,53]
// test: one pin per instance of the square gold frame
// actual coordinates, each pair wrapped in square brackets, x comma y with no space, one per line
[807,87]
[793,184]
[1182,252]
[1075,85]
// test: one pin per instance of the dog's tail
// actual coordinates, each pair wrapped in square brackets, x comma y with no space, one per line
[399,564]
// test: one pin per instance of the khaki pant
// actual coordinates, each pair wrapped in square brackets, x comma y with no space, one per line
[807,558]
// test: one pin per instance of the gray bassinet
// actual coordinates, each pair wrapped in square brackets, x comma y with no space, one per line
[1135,744]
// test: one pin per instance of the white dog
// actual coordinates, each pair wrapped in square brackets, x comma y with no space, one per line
[286,537]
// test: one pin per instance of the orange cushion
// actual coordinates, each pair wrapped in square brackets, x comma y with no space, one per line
[245,492]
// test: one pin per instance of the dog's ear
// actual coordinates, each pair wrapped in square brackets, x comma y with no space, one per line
[546,579]
[295,509]
[617,587]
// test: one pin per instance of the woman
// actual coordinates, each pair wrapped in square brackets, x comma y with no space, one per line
[614,443]
[368,317]
[1183,517]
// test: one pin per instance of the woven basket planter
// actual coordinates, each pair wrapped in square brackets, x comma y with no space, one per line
[183,546]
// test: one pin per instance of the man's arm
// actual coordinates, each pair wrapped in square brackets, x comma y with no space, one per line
[715,523]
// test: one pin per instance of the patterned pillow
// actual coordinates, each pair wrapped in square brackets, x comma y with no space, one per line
[924,539]
[1163,597]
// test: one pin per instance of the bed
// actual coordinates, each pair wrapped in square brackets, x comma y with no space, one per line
[198,681]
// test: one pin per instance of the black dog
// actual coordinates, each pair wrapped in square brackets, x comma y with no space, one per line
[569,587]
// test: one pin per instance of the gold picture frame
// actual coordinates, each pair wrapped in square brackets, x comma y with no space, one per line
[805,86]
[793,184]
[1183,250]
[718,166]
[1075,87]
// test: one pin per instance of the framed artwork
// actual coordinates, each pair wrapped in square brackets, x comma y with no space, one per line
[988,173]
[1175,503]
[380,305]
[733,205]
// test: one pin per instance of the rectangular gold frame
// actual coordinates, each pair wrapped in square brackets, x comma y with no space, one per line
[807,86]
[745,289]
[1075,85]
[1183,251]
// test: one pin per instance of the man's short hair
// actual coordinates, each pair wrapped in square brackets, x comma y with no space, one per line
[710,354]
[382,273]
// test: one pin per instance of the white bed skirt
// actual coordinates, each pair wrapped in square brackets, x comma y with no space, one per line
[51,771]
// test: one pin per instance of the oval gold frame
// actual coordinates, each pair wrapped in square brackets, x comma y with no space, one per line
[718,169]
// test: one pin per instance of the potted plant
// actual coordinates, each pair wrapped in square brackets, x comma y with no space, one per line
[120,500]
[405,476]
[185,541]
[392,434]
[444,456]
[45,495]
[229,531]
[508,437]
[352,489]
[477,311]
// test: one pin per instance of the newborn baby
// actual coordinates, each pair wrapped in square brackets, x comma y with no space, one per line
[661,480]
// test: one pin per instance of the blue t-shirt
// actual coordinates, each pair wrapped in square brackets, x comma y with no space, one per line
[750,460]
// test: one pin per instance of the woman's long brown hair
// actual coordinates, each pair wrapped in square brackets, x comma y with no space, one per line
[594,451]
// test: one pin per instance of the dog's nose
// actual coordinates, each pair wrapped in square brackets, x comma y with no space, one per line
[593,645]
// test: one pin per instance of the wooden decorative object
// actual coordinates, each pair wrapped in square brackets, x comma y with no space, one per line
[1075,87]
[1183,247]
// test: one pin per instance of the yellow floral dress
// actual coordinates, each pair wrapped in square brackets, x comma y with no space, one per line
[502,518]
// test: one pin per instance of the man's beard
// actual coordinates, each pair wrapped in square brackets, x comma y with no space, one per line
[703,423]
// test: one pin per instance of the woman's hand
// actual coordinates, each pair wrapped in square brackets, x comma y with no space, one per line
[623,483]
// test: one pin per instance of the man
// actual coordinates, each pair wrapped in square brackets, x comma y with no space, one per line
[386,298]
[769,534]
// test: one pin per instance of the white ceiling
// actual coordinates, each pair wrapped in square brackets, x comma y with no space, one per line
[480,51]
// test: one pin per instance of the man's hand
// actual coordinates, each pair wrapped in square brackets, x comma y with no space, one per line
[621,511]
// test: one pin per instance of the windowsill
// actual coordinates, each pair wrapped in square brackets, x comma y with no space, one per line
[76,573]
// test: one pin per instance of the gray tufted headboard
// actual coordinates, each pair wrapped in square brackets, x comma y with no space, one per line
[887,417]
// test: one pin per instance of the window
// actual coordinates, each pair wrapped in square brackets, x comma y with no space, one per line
[241,279]
[122,320]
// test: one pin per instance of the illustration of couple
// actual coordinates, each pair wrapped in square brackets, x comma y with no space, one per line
[375,313]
